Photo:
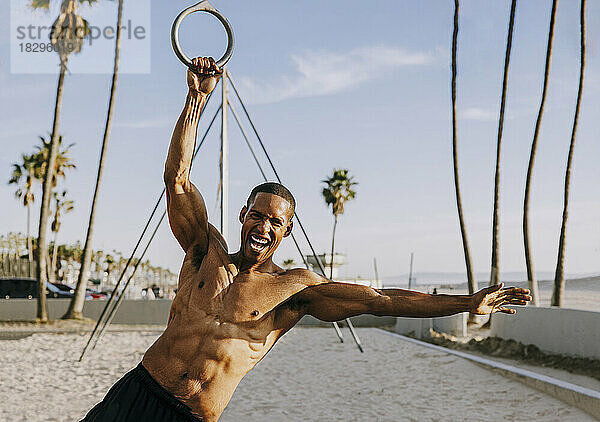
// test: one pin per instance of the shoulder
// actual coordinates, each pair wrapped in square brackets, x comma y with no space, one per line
[304,277]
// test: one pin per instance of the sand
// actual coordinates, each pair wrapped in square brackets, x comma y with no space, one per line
[308,376]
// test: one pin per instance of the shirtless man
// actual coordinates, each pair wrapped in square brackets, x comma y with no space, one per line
[230,309]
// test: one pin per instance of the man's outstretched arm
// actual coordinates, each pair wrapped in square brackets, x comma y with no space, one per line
[187,212]
[333,301]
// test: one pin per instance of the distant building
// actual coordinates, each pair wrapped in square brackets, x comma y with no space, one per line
[338,260]
[325,258]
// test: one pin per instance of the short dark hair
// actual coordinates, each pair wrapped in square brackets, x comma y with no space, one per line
[273,188]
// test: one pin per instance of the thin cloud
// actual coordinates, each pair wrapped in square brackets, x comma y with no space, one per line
[480,114]
[320,73]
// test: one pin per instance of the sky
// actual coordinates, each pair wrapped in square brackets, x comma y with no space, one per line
[333,85]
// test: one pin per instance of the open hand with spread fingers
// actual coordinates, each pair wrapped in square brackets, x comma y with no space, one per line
[495,298]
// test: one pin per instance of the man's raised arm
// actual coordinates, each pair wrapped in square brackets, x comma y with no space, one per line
[333,301]
[187,212]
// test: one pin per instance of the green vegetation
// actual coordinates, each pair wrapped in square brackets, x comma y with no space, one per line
[337,191]
[104,271]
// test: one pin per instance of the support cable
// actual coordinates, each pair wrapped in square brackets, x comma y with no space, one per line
[113,311]
[319,263]
[335,324]
[118,283]
[262,172]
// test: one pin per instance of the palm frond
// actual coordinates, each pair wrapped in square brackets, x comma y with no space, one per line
[338,190]
[40,4]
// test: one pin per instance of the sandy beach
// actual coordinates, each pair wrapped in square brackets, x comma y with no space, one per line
[308,376]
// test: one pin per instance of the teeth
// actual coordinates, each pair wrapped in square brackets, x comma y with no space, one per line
[258,244]
[259,240]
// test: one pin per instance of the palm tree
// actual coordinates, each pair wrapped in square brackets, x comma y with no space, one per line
[75,309]
[559,276]
[337,192]
[62,205]
[67,35]
[110,265]
[528,261]
[472,283]
[289,263]
[62,162]
[24,173]
[495,267]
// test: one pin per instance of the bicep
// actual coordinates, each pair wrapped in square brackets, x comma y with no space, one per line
[188,217]
[336,301]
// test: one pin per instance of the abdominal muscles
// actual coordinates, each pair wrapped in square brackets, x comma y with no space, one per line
[202,362]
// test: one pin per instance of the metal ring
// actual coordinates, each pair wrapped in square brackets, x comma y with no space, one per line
[203,6]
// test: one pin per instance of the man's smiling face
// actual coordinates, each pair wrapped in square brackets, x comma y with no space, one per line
[265,222]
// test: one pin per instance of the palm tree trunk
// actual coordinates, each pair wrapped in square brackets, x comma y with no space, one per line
[51,277]
[495,267]
[29,242]
[559,276]
[42,246]
[528,261]
[472,283]
[333,246]
[75,309]
[54,253]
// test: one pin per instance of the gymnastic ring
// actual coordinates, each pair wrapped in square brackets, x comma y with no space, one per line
[203,6]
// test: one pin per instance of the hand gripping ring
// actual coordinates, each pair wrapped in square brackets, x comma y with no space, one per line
[203,6]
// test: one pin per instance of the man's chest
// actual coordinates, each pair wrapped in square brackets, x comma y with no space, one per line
[239,297]
[255,297]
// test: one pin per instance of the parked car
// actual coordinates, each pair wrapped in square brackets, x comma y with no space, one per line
[55,292]
[93,294]
[27,288]
[65,287]
[22,288]
[89,293]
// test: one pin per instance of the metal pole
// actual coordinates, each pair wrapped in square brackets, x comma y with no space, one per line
[224,157]
[354,335]
[412,255]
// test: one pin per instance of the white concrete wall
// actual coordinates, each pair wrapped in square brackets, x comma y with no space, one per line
[139,312]
[455,325]
[555,330]
[130,311]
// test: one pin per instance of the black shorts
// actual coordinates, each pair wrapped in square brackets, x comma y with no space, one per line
[138,397]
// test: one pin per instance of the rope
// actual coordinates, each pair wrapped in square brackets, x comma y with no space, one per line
[122,295]
[321,268]
[118,283]
[263,173]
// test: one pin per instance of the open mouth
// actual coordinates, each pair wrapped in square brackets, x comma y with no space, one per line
[257,243]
